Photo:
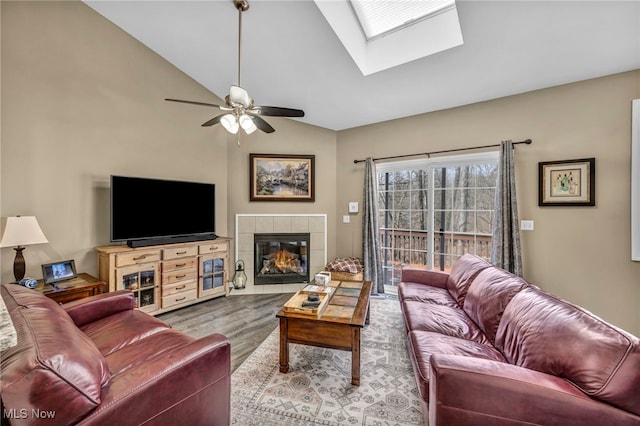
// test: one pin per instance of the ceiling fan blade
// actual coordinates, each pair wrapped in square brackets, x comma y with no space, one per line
[276,111]
[239,96]
[192,102]
[214,120]
[262,125]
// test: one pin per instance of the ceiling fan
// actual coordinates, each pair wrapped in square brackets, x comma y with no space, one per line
[239,109]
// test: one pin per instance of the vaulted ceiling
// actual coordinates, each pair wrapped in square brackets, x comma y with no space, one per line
[292,57]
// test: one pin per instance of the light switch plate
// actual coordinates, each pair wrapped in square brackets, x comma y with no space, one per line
[353,207]
[346,218]
[526,225]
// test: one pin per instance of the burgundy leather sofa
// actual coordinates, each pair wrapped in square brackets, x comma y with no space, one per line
[488,348]
[98,361]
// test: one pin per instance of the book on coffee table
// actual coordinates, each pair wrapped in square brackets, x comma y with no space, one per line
[319,289]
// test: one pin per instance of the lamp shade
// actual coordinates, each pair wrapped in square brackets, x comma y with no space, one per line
[22,231]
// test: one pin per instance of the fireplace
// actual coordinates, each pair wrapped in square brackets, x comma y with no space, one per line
[281,258]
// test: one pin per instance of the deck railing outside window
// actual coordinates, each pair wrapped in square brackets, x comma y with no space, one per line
[410,249]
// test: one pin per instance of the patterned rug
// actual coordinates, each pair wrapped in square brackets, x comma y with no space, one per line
[317,390]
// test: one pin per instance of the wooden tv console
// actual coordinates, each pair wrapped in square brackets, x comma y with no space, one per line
[170,276]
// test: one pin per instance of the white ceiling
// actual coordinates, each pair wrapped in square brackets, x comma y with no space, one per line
[292,58]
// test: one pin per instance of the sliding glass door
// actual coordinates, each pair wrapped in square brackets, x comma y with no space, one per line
[435,210]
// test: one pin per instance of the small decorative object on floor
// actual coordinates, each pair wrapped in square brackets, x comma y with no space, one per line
[239,277]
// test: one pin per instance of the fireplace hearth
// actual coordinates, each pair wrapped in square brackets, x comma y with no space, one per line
[281,258]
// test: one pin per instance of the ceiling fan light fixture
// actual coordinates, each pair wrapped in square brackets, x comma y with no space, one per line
[241,112]
[230,123]
[247,124]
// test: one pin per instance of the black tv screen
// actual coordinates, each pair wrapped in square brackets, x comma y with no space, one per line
[148,211]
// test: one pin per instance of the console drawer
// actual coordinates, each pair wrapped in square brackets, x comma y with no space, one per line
[176,265]
[178,252]
[177,298]
[135,257]
[179,275]
[212,247]
[175,288]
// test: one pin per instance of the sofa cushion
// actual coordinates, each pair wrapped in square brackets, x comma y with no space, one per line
[425,293]
[53,361]
[489,295]
[137,354]
[463,272]
[451,321]
[423,344]
[121,329]
[543,333]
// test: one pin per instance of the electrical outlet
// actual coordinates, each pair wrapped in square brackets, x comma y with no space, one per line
[346,218]
[526,225]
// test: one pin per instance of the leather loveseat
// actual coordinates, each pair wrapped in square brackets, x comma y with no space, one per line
[488,348]
[98,361]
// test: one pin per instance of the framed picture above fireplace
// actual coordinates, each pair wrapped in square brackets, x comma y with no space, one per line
[276,177]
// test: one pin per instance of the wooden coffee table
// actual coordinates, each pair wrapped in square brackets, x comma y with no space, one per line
[338,326]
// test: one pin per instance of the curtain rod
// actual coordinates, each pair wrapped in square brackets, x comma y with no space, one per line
[428,154]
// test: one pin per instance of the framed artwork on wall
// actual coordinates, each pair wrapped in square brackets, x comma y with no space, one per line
[567,183]
[276,177]
[635,180]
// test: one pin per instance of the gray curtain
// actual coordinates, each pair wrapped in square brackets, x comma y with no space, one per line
[505,251]
[371,230]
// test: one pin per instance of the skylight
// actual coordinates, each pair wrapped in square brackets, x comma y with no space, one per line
[380,17]
[381,34]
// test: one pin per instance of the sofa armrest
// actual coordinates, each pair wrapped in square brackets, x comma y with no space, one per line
[194,378]
[92,308]
[425,276]
[473,391]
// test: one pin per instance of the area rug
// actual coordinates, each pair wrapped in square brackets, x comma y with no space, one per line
[317,390]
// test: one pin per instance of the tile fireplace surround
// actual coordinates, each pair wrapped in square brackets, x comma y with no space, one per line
[249,224]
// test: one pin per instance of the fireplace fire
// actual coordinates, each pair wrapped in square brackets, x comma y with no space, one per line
[281,258]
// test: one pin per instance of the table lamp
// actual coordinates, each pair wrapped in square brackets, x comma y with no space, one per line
[21,231]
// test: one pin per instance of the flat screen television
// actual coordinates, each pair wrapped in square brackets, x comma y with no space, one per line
[147,211]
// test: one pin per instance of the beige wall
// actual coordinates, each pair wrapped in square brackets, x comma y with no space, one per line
[580,253]
[82,100]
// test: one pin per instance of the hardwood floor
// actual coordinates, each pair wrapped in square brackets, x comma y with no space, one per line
[246,320]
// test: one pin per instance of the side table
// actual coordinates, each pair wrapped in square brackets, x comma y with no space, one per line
[84,285]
